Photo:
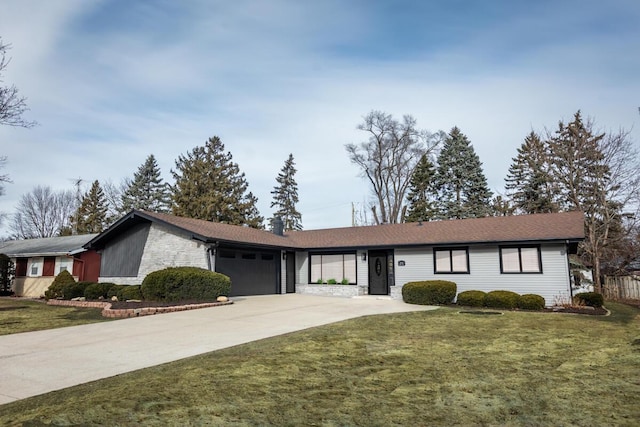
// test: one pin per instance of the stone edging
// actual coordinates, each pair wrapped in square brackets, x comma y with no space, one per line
[107,311]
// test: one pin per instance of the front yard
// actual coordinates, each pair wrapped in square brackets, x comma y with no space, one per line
[23,315]
[426,368]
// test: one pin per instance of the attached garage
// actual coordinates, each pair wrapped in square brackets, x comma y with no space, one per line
[251,272]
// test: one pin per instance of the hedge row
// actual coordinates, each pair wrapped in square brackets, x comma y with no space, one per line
[501,299]
[171,284]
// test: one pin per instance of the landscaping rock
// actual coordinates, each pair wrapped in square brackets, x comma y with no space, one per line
[114,298]
[134,300]
[78,299]
[222,299]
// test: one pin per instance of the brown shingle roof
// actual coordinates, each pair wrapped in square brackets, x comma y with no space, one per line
[223,232]
[539,227]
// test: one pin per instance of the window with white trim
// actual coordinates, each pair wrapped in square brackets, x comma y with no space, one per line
[64,263]
[520,259]
[35,267]
[338,267]
[451,260]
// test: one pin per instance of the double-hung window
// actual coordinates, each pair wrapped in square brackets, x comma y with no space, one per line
[520,259]
[451,260]
[64,264]
[35,267]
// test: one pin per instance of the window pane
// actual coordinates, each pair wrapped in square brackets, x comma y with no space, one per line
[316,268]
[349,268]
[443,262]
[459,258]
[529,258]
[510,261]
[332,267]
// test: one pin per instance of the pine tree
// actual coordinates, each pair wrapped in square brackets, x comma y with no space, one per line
[462,188]
[210,186]
[580,169]
[421,203]
[147,191]
[91,216]
[528,183]
[285,197]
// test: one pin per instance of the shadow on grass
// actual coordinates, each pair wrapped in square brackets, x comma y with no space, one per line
[82,315]
[620,313]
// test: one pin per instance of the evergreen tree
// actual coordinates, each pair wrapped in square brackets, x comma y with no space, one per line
[285,197]
[583,176]
[577,163]
[210,186]
[147,191]
[462,188]
[528,183]
[91,216]
[421,203]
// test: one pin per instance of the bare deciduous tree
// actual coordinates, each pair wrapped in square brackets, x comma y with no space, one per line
[43,213]
[387,159]
[12,105]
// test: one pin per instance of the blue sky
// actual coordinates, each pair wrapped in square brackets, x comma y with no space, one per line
[111,82]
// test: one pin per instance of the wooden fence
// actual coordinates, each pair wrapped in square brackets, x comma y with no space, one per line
[623,287]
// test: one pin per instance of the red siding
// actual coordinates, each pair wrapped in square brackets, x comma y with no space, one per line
[86,266]
[21,267]
[49,266]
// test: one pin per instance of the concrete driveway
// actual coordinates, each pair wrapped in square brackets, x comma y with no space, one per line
[39,362]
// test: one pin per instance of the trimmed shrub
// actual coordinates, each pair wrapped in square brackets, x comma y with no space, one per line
[74,290]
[592,299]
[472,298]
[429,292]
[332,282]
[97,290]
[185,283]
[502,299]
[130,292]
[55,289]
[531,302]
[115,291]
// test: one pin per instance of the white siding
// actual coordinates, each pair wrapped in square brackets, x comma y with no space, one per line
[362,270]
[165,249]
[484,266]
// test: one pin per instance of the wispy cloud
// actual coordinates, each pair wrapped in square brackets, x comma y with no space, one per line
[111,82]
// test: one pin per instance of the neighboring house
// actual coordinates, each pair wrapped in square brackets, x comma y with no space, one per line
[38,261]
[525,254]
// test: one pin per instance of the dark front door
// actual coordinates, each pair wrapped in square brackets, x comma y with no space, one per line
[378,284]
[291,272]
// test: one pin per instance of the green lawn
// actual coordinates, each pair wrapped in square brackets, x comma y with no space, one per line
[22,315]
[426,368]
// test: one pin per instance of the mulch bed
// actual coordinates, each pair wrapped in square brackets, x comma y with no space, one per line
[594,311]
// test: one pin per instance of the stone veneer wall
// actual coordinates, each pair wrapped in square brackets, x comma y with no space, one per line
[329,290]
[165,249]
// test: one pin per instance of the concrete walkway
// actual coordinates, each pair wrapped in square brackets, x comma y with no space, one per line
[39,362]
